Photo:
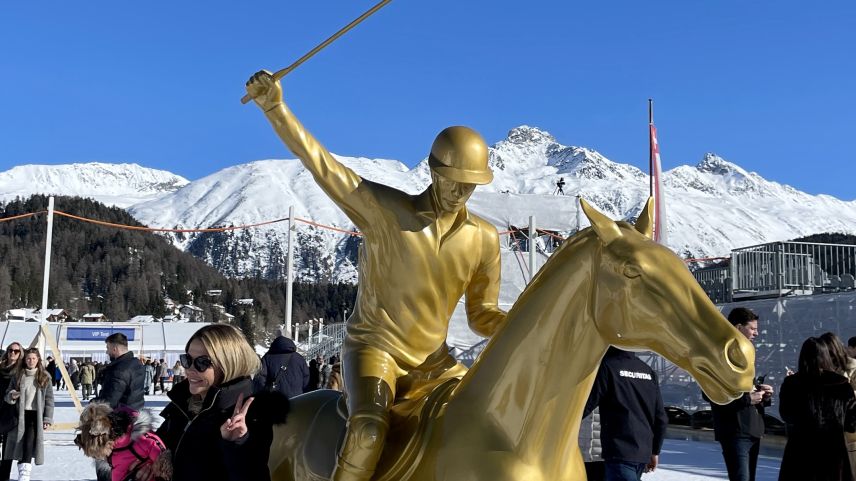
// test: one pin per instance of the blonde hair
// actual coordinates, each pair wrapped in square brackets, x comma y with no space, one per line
[229,350]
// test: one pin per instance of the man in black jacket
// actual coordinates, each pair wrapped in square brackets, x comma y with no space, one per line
[739,425]
[283,369]
[121,385]
[632,418]
[122,379]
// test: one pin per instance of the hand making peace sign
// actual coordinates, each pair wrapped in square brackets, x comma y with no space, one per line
[236,426]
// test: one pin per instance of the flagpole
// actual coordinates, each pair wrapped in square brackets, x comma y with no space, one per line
[650,148]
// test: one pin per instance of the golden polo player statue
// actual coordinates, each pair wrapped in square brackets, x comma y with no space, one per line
[515,415]
[421,254]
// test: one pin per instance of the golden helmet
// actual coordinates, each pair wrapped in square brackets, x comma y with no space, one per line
[460,154]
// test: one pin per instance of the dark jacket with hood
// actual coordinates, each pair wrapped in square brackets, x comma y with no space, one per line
[633,420]
[198,450]
[122,383]
[818,410]
[283,369]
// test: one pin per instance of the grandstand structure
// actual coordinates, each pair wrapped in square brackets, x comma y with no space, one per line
[780,269]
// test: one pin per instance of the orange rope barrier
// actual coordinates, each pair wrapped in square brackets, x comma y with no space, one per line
[349,232]
[248,226]
[159,229]
[551,234]
[21,216]
[705,259]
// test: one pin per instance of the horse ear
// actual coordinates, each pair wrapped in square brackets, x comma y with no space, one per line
[605,228]
[645,222]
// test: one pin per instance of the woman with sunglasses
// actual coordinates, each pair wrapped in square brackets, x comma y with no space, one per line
[31,391]
[9,362]
[213,428]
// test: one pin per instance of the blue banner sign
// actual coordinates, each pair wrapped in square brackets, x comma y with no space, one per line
[96,333]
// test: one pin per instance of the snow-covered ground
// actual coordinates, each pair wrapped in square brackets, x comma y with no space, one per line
[681,460]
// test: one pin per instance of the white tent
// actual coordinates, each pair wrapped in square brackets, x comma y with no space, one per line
[86,340]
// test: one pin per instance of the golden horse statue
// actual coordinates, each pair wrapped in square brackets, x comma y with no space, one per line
[516,414]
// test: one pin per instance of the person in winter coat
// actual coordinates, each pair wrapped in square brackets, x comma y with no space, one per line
[177,373]
[150,376]
[212,428]
[87,378]
[846,366]
[283,369]
[161,375]
[590,446]
[32,391]
[120,440]
[325,373]
[314,376]
[632,417]
[10,364]
[122,383]
[74,374]
[739,425]
[334,382]
[819,406]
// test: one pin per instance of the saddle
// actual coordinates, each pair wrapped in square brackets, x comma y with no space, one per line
[411,426]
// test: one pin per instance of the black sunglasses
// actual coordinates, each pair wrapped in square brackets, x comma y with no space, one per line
[10,350]
[201,363]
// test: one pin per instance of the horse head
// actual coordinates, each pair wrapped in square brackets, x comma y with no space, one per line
[649,300]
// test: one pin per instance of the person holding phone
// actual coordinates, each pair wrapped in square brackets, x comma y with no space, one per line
[739,425]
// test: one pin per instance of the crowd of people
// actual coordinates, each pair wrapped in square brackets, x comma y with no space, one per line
[624,419]
[219,392]
[224,400]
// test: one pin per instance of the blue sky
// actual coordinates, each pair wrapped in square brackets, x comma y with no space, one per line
[768,85]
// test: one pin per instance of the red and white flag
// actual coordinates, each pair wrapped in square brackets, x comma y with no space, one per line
[657,190]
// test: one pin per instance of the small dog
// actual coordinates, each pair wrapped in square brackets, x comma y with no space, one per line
[121,441]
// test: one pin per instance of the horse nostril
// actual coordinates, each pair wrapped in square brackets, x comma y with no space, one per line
[735,355]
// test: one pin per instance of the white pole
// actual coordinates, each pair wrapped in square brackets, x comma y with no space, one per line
[309,338]
[289,266]
[296,333]
[532,247]
[47,275]
[320,328]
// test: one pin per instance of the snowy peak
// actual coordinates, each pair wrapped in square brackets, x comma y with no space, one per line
[525,134]
[114,184]
[589,164]
[719,177]
[529,150]
[716,165]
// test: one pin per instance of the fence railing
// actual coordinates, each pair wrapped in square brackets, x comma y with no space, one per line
[781,269]
[330,343]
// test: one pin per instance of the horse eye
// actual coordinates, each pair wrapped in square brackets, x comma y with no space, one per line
[632,271]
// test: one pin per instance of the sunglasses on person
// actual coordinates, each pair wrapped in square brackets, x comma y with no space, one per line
[12,350]
[201,363]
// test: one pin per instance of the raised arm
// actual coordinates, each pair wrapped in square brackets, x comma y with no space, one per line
[483,311]
[339,182]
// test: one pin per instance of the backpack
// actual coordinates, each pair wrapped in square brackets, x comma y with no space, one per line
[276,381]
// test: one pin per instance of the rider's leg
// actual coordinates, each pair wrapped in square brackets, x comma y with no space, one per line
[369,385]
[420,380]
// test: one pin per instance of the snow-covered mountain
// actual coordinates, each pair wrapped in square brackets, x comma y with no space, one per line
[713,207]
[122,185]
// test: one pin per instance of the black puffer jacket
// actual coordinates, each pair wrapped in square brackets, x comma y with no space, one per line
[198,450]
[122,383]
[283,369]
